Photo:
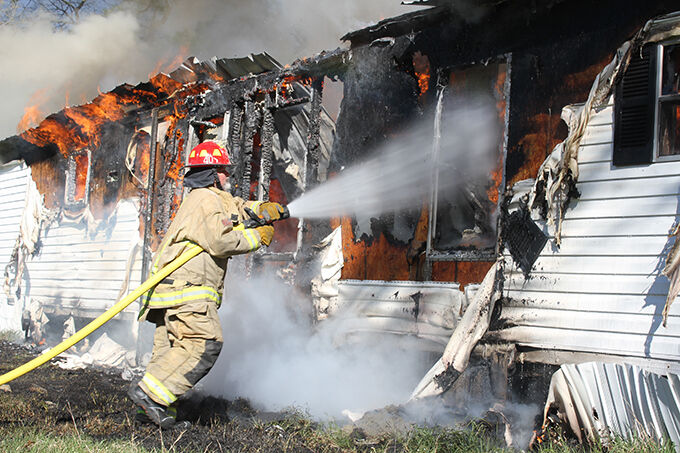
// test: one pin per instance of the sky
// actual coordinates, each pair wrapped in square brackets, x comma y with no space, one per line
[51,68]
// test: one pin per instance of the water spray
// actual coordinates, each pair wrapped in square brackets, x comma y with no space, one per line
[399,176]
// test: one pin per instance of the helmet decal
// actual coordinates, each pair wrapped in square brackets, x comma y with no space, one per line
[208,154]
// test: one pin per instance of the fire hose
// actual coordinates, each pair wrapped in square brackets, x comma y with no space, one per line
[254,221]
[103,318]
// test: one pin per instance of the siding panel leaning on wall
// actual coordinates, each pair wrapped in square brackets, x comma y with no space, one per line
[13,184]
[602,291]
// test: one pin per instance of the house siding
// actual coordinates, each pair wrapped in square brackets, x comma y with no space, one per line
[602,291]
[13,184]
[80,272]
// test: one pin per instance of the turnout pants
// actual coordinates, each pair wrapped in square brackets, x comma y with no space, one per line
[187,342]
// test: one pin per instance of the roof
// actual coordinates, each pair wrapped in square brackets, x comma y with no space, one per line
[226,68]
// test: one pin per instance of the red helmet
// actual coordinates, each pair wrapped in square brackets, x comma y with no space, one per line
[208,154]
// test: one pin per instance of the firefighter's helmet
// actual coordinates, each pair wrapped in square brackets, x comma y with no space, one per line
[208,154]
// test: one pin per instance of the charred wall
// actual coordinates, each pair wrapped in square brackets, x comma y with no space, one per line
[556,49]
[380,98]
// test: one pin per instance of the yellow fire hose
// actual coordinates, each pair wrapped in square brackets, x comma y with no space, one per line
[103,318]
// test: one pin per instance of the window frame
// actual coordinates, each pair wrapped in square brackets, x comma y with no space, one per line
[433,255]
[71,181]
[659,99]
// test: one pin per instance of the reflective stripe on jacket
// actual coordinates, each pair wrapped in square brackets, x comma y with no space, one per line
[204,219]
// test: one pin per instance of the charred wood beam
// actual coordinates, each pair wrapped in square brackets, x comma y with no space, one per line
[198,123]
[146,252]
[234,143]
[283,103]
[313,140]
[311,170]
[251,120]
[332,64]
[15,148]
[167,185]
[268,127]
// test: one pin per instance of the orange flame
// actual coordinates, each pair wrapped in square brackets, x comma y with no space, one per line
[165,84]
[82,162]
[496,179]
[32,112]
[421,68]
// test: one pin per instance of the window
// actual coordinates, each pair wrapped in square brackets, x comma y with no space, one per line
[77,180]
[669,103]
[466,187]
[649,89]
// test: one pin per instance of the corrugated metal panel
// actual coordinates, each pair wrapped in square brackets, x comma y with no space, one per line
[13,184]
[425,310]
[619,399]
[602,291]
[81,272]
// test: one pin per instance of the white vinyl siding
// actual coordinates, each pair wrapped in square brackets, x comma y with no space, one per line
[13,184]
[602,290]
[81,273]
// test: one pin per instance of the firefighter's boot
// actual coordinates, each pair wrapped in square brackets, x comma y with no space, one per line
[157,413]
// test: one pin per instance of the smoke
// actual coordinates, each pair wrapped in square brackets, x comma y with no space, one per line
[274,356]
[400,173]
[67,66]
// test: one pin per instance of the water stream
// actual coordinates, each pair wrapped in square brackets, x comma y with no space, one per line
[399,175]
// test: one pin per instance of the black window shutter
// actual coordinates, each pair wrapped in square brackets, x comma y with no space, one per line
[634,100]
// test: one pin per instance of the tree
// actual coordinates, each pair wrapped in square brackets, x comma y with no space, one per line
[64,12]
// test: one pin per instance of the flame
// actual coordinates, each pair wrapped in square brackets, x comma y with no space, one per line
[79,127]
[165,84]
[496,179]
[421,68]
[163,66]
[32,113]
[501,103]
[82,162]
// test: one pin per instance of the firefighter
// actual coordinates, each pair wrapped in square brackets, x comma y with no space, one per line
[188,335]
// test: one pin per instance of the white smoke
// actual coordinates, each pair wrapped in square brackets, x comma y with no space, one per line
[400,172]
[55,67]
[274,356]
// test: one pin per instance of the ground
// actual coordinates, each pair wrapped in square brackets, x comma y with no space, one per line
[90,407]
[92,402]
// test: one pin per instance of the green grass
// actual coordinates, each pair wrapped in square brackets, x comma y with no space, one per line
[317,438]
[614,445]
[23,440]
[10,335]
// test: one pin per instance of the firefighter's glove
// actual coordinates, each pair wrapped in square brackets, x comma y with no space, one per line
[266,234]
[270,211]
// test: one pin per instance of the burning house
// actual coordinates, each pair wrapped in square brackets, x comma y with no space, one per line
[91,189]
[545,244]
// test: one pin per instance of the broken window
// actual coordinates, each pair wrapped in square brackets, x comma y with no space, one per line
[77,180]
[464,223]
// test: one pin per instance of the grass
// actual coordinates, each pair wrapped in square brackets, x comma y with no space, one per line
[10,335]
[300,434]
[24,439]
